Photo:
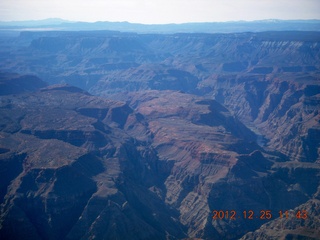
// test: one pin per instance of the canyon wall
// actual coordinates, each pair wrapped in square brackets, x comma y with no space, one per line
[144,136]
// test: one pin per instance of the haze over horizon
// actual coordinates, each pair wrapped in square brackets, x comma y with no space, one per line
[159,11]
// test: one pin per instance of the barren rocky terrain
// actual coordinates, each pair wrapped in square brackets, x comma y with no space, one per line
[113,135]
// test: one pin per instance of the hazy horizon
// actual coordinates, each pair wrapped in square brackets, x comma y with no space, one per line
[75,21]
[159,12]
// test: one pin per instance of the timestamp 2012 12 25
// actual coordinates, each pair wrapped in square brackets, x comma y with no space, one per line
[262,214]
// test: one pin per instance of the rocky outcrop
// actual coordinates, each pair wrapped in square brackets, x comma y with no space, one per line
[299,223]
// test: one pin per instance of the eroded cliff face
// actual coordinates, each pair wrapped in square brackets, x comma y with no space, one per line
[71,171]
[286,113]
[198,139]
[198,122]
[78,166]
[215,167]
[269,80]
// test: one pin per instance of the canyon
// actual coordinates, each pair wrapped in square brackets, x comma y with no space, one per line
[118,135]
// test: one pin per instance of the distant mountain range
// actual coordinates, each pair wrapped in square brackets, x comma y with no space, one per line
[204,27]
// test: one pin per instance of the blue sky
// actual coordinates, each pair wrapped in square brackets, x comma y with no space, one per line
[159,11]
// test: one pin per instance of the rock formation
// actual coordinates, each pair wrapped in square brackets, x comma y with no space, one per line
[159,135]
